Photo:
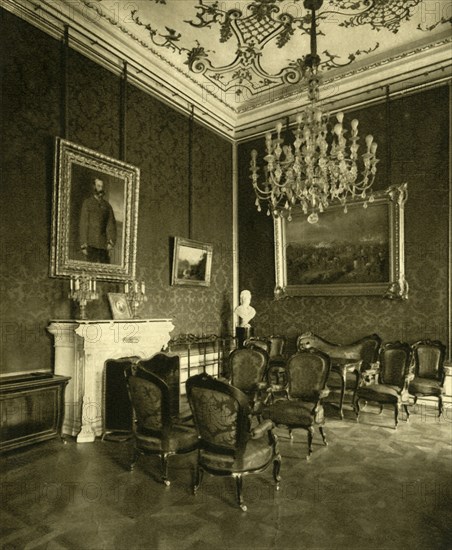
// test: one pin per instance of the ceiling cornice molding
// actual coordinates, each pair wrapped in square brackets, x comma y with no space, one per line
[106,44]
[423,66]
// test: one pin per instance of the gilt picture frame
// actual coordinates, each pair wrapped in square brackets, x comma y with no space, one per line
[94,214]
[192,262]
[360,252]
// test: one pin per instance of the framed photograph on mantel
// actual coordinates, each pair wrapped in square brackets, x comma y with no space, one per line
[192,262]
[95,214]
[119,306]
[360,252]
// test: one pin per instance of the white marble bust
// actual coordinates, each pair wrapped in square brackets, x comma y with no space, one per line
[245,311]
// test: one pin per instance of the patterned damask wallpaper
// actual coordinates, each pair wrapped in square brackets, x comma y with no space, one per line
[419,155]
[157,142]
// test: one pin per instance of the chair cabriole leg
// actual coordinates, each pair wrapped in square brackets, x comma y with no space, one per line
[135,457]
[322,433]
[198,477]
[239,487]
[276,470]
[341,401]
[310,437]
[407,412]
[164,460]
[356,407]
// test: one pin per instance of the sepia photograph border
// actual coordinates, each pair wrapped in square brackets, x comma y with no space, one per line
[179,243]
[395,287]
[62,265]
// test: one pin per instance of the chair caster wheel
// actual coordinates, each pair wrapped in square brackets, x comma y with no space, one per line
[243,507]
[167,482]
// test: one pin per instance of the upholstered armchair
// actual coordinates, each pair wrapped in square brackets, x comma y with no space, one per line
[228,446]
[392,379]
[307,372]
[348,361]
[247,368]
[428,359]
[156,427]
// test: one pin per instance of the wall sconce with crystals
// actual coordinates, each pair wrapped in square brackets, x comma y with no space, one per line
[136,295]
[83,290]
[322,165]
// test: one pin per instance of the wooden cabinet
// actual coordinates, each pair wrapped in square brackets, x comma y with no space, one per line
[31,409]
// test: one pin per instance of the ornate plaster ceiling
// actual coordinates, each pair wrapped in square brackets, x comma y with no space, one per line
[240,62]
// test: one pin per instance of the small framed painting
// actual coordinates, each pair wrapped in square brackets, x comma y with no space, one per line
[119,305]
[192,263]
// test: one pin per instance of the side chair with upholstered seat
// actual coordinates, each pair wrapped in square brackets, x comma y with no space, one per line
[274,346]
[393,376]
[247,368]
[348,361]
[308,372]
[258,342]
[276,372]
[227,444]
[156,430]
[428,381]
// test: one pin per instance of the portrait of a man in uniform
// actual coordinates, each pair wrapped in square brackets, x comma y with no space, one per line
[97,213]
[97,227]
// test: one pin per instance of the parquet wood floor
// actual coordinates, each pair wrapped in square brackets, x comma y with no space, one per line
[371,488]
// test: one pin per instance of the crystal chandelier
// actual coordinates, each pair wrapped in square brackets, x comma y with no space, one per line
[321,166]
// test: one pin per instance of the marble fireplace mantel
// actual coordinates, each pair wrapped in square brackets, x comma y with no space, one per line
[81,349]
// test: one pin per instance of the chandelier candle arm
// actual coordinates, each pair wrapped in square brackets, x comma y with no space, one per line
[322,165]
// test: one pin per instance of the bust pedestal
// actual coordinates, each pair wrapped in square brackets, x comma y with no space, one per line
[81,349]
[242,333]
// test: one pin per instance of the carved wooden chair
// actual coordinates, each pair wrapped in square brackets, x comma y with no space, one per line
[274,346]
[258,342]
[156,427]
[347,360]
[276,373]
[428,358]
[227,444]
[308,372]
[393,377]
[247,369]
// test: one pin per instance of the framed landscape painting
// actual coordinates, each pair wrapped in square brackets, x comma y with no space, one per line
[360,252]
[192,262]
